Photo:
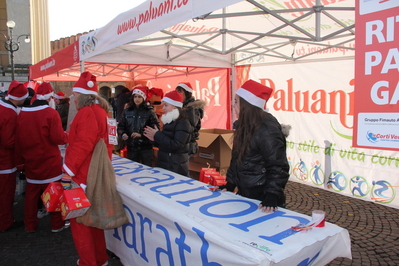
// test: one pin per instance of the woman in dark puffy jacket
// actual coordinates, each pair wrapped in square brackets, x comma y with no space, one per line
[195,112]
[173,140]
[259,166]
[131,126]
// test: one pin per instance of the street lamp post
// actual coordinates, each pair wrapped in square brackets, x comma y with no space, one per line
[13,46]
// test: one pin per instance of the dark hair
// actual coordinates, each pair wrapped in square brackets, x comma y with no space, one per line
[250,119]
[120,89]
[186,93]
[131,105]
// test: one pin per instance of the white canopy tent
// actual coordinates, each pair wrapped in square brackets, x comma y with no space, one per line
[215,34]
[247,29]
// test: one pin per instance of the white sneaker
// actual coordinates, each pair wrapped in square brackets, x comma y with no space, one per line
[67,224]
[41,213]
[57,230]
[105,264]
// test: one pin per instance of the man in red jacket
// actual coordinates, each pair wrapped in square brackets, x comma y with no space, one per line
[39,132]
[16,95]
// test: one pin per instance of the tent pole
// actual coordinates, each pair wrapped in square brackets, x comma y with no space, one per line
[317,9]
[82,66]
[233,86]
[224,34]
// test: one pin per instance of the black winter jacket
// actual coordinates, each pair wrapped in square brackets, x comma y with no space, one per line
[173,143]
[63,109]
[135,120]
[195,112]
[264,167]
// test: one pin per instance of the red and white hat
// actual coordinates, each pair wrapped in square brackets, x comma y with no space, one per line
[86,84]
[174,98]
[44,91]
[141,90]
[255,93]
[59,95]
[17,91]
[186,85]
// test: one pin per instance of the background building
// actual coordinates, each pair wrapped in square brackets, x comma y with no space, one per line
[31,18]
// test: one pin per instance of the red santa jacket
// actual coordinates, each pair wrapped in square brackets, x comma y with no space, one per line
[39,132]
[88,126]
[8,123]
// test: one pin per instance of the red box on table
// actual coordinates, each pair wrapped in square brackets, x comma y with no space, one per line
[217,179]
[74,203]
[51,197]
[205,174]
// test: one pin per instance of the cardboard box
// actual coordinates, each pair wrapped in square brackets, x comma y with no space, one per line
[74,203]
[214,149]
[51,197]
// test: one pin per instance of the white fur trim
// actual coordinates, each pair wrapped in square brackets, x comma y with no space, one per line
[67,170]
[8,171]
[139,92]
[45,181]
[7,105]
[172,102]
[36,108]
[9,96]
[45,96]
[84,91]
[58,97]
[170,117]
[184,86]
[252,98]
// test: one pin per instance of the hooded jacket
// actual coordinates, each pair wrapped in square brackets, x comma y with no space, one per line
[195,112]
[173,146]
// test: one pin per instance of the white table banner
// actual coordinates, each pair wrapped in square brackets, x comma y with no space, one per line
[176,220]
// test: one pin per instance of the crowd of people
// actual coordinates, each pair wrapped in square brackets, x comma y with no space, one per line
[258,169]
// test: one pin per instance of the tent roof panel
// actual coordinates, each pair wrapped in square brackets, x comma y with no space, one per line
[245,32]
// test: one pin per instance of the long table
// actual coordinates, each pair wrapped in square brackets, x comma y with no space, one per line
[176,220]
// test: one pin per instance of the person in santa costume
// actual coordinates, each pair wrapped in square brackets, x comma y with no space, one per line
[40,154]
[134,119]
[173,140]
[259,166]
[62,107]
[88,126]
[16,95]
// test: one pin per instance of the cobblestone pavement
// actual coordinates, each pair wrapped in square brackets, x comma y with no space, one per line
[374,231]
[373,228]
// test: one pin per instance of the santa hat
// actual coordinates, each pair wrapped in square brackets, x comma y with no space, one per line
[44,91]
[17,91]
[86,84]
[173,98]
[59,95]
[140,90]
[186,86]
[255,93]
[32,84]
